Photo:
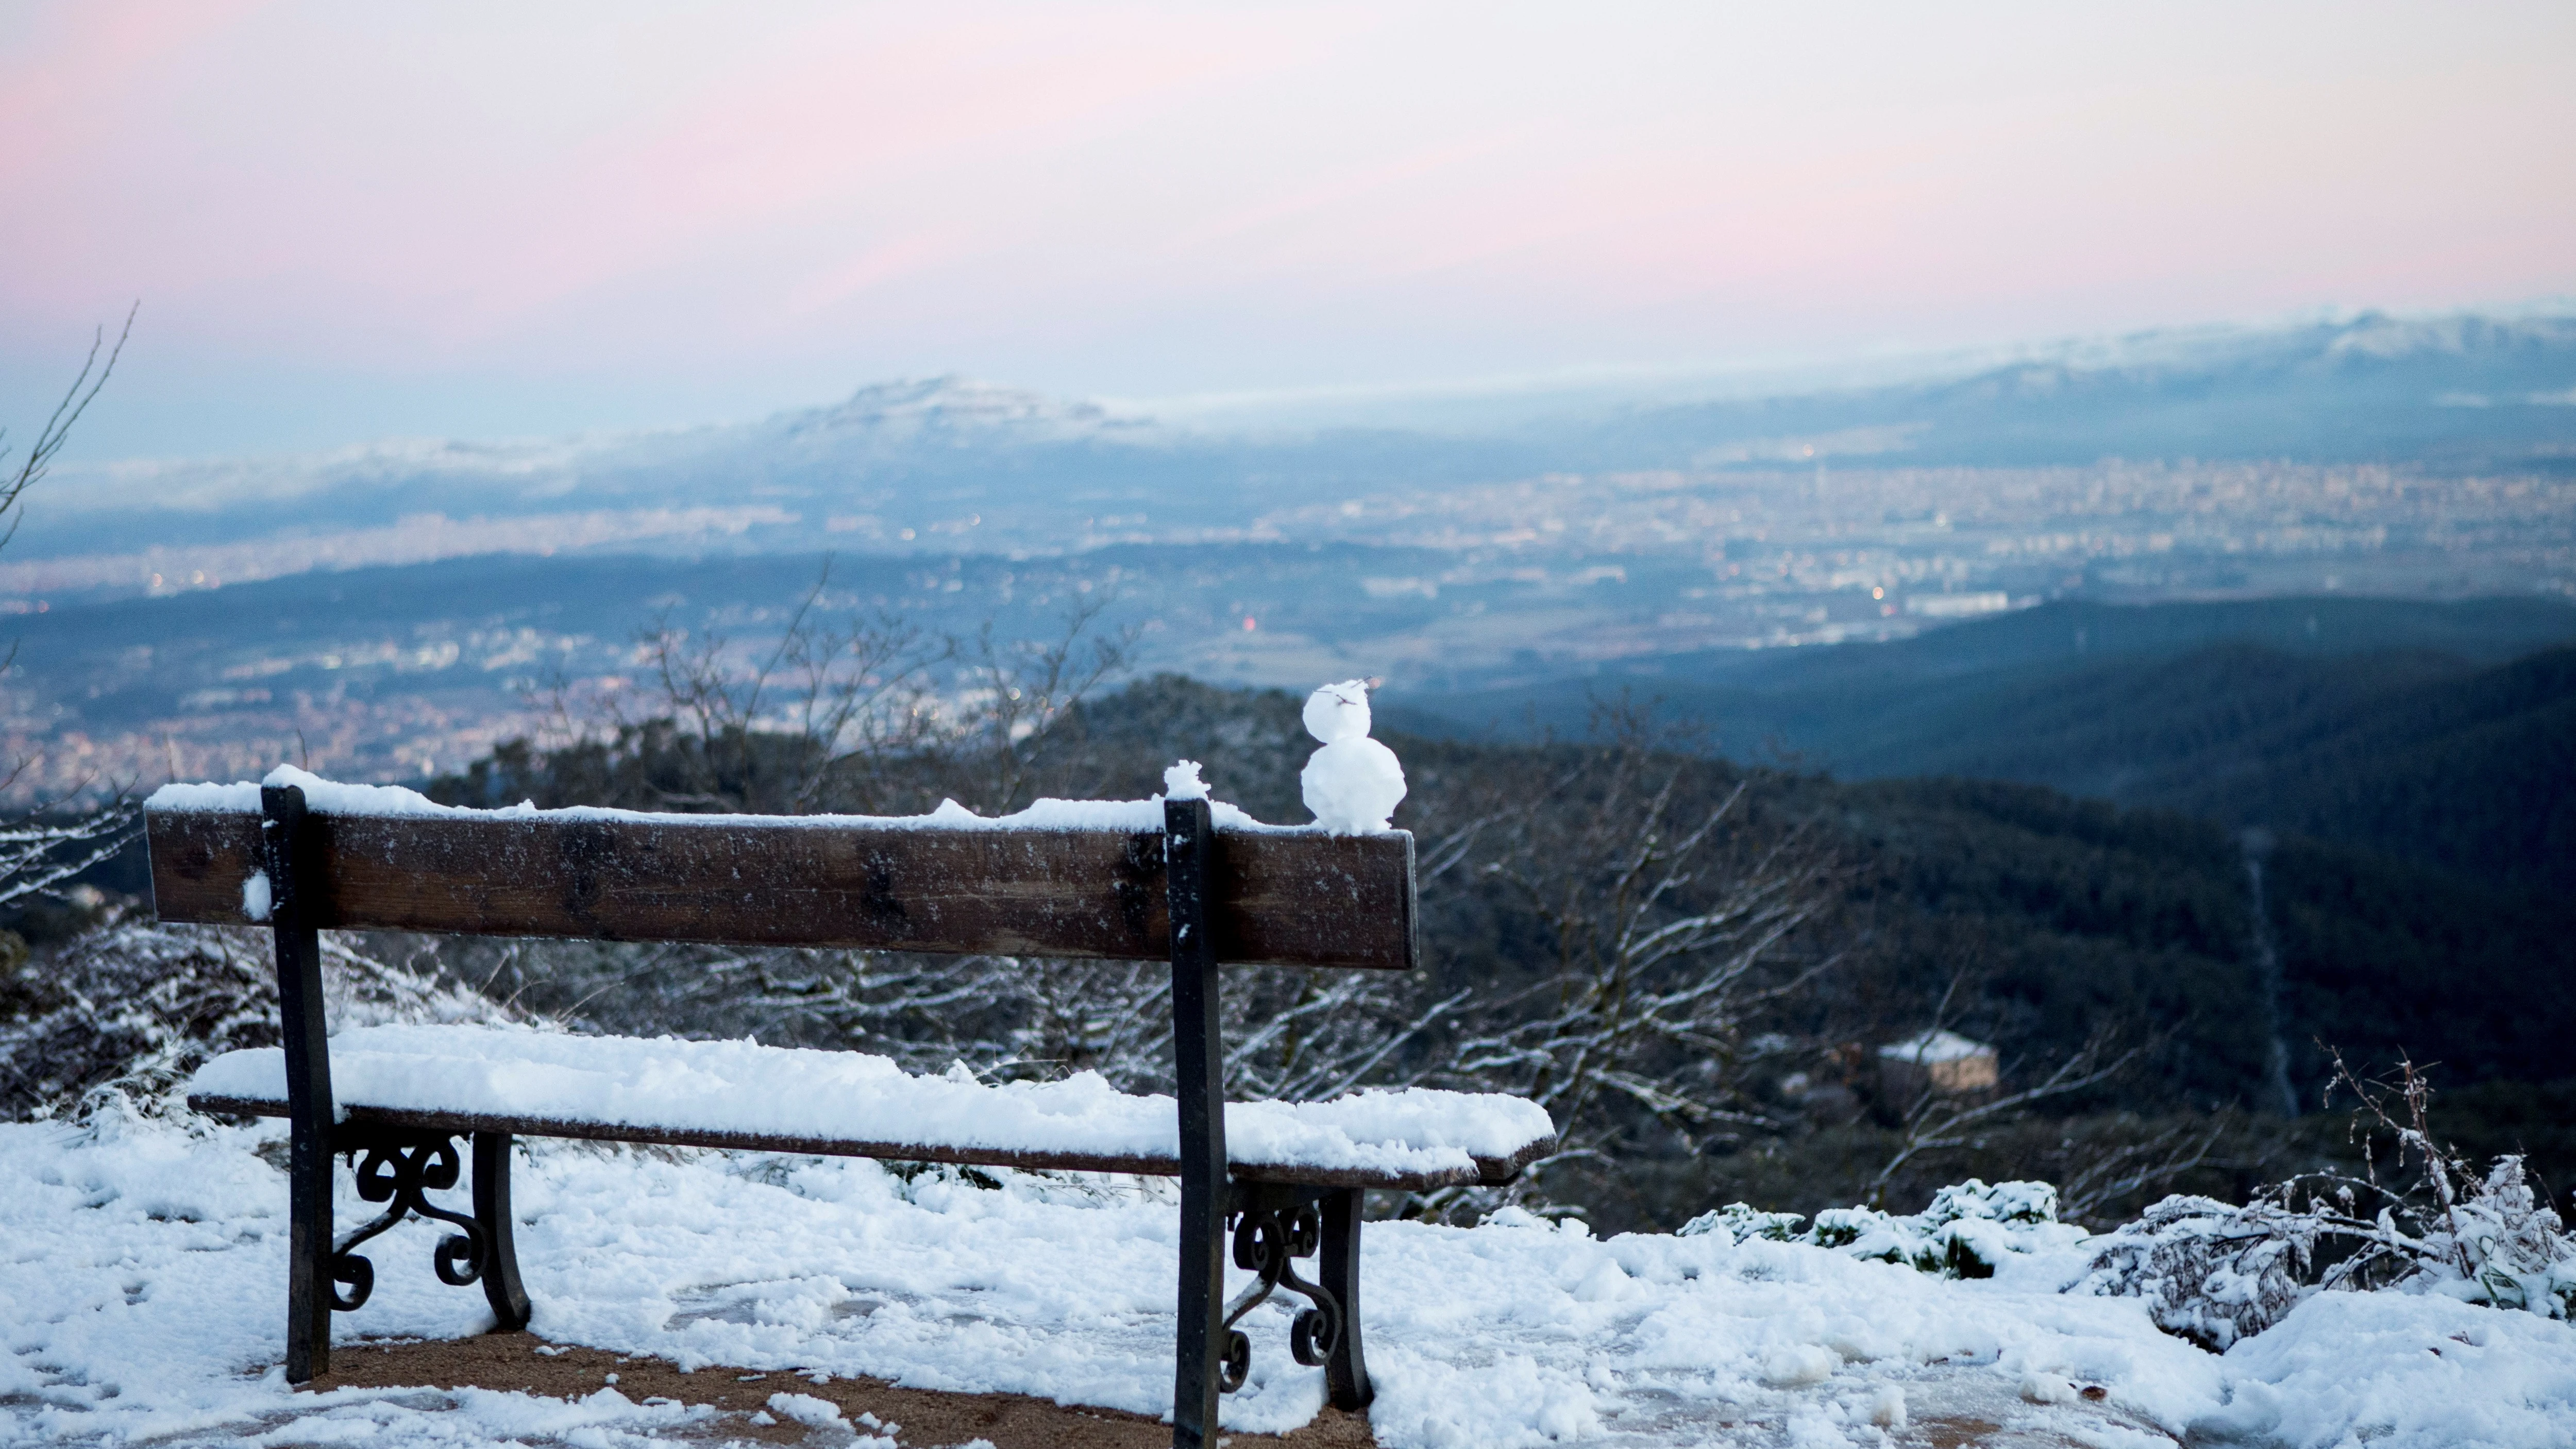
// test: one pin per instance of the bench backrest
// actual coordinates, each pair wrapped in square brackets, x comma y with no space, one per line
[1275,897]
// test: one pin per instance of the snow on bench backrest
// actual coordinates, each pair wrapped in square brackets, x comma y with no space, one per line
[1062,878]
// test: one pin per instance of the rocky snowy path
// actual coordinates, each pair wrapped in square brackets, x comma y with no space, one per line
[142,1303]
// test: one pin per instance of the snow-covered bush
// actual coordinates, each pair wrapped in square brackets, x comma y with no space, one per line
[1968,1230]
[2216,1273]
[2210,1271]
[2499,1244]
[2482,1237]
[1744,1222]
[130,1009]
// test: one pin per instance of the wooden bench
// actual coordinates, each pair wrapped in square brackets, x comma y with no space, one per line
[1137,881]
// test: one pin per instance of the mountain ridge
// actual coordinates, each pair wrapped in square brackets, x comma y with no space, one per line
[2451,393]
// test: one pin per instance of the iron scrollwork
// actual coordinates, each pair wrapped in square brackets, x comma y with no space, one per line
[1272,1229]
[400,1169]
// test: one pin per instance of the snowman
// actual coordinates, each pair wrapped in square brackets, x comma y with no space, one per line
[1353,783]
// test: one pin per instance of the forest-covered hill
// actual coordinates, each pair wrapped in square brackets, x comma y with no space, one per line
[2044,921]
[2068,911]
[2440,733]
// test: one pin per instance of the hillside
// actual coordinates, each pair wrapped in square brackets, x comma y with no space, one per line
[2060,919]
[2409,754]
[2432,732]
[2068,915]
[2477,773]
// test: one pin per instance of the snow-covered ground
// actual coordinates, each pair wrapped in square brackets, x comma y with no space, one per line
[144,1302]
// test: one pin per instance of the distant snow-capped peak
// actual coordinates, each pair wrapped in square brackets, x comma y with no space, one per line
[954,407]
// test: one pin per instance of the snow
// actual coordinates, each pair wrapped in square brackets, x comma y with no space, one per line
[1887,1407]
[1182,782]
[1935,1046]
[806,1409]
[146,1302]
[2402,1368]
[332,797]
[740,1086]
[1353,783]
[1338,712]
[2042,1388]
[817,1413]
[1969,1229]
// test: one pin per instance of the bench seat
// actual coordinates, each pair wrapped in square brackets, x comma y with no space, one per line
[737,1094]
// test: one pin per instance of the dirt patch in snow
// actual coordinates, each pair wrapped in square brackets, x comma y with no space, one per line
[522,1362]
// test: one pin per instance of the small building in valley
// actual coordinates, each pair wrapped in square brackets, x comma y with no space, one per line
[1937,1061]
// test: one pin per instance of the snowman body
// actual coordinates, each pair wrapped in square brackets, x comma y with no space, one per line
[1353,783]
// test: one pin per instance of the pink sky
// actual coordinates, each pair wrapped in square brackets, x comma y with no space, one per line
[348,221]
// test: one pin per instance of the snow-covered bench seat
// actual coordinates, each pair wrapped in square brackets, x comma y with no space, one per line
[531,1083]
[1174,877]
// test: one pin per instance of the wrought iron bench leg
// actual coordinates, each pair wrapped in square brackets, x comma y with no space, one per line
[501,1286]
[1345,1368]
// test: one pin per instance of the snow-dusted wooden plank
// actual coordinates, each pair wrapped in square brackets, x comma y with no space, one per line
[783,1099]
[1282,897]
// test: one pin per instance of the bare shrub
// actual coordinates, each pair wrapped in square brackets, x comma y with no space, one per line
[132,1009]
[2214,1272]
[1661,920]
[50,841]
[846,711]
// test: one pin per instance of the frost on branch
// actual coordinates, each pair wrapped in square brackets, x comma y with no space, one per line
[44,847]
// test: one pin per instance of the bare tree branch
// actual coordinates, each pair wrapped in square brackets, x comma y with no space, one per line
[1936,1122]
[52,841]
[58,427]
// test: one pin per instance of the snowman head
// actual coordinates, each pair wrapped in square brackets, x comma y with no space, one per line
[1339,712]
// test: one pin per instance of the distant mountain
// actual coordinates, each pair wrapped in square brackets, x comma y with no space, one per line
[923,466]
[2451,392]
[948,464]
[954,411]
[2443,733]
[860,454]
